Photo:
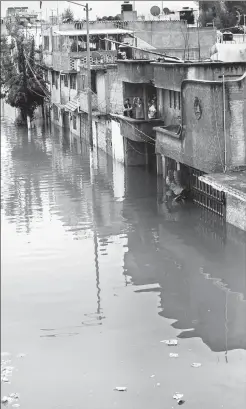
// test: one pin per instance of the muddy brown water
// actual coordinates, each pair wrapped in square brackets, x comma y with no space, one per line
[97,270]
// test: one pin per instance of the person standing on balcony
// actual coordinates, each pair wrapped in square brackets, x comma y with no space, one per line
[127,108]
[152,110]
[139,108]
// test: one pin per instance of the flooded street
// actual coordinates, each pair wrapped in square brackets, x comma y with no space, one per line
[96,271]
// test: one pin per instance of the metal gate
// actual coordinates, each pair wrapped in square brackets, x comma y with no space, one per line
[207,196]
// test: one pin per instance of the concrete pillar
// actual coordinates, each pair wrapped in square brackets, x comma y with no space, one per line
[159,166]
[178,166]
[164,166]
[145,100]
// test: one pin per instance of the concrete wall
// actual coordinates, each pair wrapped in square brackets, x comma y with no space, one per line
[236,211]
[170,76]
[115,90]
[174,35]
[203,141]
[236,100]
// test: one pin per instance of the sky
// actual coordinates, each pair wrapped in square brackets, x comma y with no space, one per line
[99,8]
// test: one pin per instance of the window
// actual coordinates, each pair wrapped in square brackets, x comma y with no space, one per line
[74,122]
[73,79]
[55,110]
[170,99]
[93,82]
[83,82]
[174,99]
[65,80]
[46,43]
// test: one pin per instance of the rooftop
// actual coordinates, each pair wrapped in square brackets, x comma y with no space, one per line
[93,31]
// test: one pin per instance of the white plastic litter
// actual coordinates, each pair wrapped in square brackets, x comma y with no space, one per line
[178,396]
[121,388]
[152,376]
[170,342]
[196,365]
[173,355]
[14,395]
[21,355]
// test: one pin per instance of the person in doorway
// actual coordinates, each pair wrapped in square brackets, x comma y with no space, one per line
[152,110]
[139,108]
[127,108]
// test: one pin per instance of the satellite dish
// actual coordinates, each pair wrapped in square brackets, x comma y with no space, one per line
[155,11]
[166,11]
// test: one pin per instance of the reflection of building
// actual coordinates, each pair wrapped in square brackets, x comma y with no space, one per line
[202,278]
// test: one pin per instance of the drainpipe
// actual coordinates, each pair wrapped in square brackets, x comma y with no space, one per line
[224,123]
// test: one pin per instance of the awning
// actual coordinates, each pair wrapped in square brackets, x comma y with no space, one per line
[72,105]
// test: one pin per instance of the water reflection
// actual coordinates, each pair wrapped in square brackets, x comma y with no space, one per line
[199,267]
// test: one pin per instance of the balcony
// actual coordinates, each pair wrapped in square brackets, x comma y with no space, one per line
[135,71]
[138,130]
[84,101]
[64,61]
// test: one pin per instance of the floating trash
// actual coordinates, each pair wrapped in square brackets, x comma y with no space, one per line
[14,395]
[21,355]
[170,342]
[4,379]
[173,355]
[121,388]
[6,399]
[152,376]
[178,396]
[196,365]
[181,401]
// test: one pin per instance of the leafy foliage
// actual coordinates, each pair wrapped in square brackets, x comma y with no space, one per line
[68,15]
[21,77]
[224,14]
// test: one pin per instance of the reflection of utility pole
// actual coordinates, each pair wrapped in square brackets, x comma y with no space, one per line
[89,95]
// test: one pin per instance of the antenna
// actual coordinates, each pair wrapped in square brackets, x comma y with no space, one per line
[155,11]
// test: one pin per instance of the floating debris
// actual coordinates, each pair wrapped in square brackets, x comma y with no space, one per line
[178,396]
[21,355]
[6,399]
[152,376]
[121,388]
[158,384]
[4,379]
[181,401]
[196,365]
[14,395]
[173,355]
[170,342]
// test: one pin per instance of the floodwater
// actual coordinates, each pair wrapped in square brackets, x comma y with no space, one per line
[97,270]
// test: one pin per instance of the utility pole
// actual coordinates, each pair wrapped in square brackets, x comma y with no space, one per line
[89,95]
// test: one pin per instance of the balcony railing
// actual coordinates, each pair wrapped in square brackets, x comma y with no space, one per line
[63,61]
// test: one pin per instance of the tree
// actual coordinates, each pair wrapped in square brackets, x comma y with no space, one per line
[223,13]
[23,82]
[68,15]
